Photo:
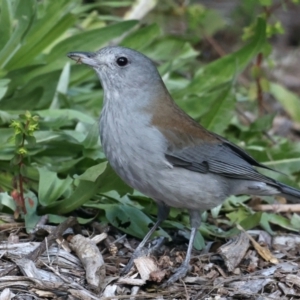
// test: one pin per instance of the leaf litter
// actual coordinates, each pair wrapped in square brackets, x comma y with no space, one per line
[69,262]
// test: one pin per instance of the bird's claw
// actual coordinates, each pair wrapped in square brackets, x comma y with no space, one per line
[179,274]
[137,253]
[142,251]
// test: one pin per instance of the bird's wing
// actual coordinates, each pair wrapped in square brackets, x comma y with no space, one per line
[216,155]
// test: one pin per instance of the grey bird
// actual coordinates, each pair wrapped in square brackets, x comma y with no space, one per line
[156,148]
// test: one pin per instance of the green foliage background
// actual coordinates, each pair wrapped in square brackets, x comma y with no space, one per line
[61,162]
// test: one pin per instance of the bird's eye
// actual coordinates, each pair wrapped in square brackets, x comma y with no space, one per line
[122,61]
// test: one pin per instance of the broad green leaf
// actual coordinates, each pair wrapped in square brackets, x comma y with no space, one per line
[247,222]
[263,123]
[238,215]
[31,218]
[295,221]
[3,87]
[279,220]
[266,2]
[289,100]
[62,86]
[92,173]
[111,181]
[55,219]
[89,41]
[8,201]
[23,18]
[55,21]
[284,158]
[199,242]
[5,117]
[69,114]
[131,220]
[51,188]
[265,224]
[163,49]
[6,19]
[91,140]
[225,69]
[221,110]
[142,37]
[215,211]
[84,191]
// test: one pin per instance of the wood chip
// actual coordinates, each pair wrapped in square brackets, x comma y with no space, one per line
[145,266]
[293,279]
[264,252]
[131,281]
[288,241]
[234,251]
[287,290]
[6,294]
[110,290]
[91,258]
[99,238]
[249,286]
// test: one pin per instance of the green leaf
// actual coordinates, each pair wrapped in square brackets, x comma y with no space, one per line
[31,218]
[92,173]
[142,37]
[199,242]
[295,221]
[221,108]
[55,21]
[62,86]
[68,114]
[215,211]
[263,123]
[265,2]
[226,68]
[6,20]
[238,215]
[83,192]
[3,86]
[264,223]
[131,220]
[285,158]
[7,201]
[247,221]
[280,221]
[89,40]
[91,141]
[23,18]
[289,100]
[51,188]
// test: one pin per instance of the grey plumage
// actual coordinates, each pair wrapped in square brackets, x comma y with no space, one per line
[159,150]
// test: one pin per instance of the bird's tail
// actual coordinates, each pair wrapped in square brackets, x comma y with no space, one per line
[289,192]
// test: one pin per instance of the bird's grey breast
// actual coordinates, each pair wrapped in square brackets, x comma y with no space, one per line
[133,147]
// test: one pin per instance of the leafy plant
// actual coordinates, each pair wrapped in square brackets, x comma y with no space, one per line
[60,163]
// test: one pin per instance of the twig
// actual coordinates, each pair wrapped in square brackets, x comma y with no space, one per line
[259,90]
[216,46]
[278,207]
[61,228]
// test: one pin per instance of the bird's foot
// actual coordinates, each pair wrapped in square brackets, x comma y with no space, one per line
[137,253]
[179,274]
[142,251]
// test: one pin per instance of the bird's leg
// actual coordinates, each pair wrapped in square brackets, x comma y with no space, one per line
[162,214]
[195,221]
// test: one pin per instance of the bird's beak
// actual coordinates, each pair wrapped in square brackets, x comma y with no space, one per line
[88,58]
